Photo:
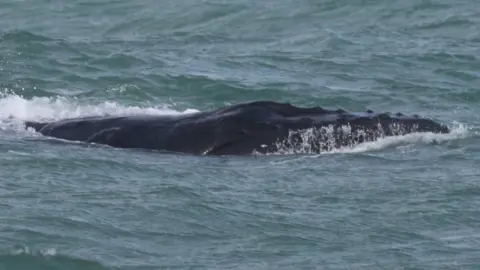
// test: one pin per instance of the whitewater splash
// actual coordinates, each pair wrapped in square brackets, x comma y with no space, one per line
[44,108]
[458,131]
[15,109]
[309,139]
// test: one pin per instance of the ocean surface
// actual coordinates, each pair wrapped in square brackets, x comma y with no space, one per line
[408,202]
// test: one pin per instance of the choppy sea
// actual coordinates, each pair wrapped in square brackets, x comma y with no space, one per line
[408,202]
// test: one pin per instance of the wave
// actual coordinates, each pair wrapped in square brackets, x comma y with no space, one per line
[21,36]
[24,258]
[15,109]
[13,106]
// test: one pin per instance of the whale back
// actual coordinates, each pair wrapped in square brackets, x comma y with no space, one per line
[261,126]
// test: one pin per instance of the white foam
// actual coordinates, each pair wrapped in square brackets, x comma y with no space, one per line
[458,131]
[48,252]
[26,250]
[16,109]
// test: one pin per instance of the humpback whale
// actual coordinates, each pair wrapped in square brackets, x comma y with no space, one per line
[242,129]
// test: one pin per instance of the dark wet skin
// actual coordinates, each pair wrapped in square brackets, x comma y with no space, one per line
[241,129]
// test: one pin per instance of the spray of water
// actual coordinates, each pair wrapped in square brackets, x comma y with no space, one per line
[15,109]
[306,141]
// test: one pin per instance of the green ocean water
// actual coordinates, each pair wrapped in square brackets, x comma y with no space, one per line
[409,202]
